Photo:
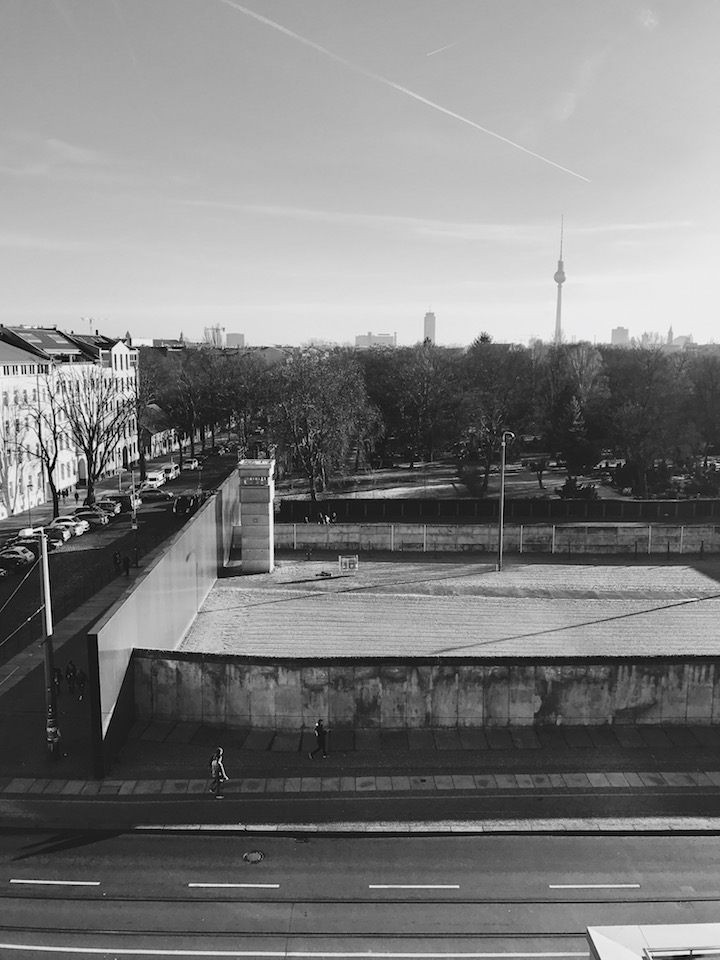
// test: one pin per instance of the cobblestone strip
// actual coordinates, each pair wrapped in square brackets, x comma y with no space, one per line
[388,784]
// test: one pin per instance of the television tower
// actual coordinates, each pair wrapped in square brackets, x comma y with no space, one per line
[559,279]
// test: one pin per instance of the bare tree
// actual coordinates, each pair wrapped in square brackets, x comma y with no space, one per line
[49,429]
[14,436]
[318,405]
[99,417]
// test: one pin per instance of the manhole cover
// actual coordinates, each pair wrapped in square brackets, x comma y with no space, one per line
[254,856]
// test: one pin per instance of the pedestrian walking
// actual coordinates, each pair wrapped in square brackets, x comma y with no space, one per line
[81,680]
[70,673]
[321,733]
[57,680]
[126,565]
[77,498]
[117,561]
[217,774]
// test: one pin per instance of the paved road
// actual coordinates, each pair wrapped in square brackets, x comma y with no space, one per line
[85,564]
[421,896]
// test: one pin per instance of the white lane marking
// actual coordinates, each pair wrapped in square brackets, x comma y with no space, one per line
[594,886]
[264,886]
[306,954]
[9,675]
[414,886]
[62,883]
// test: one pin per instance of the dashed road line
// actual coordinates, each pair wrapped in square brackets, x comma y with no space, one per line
[413,886]
[594,886]
[251,886]
[59,883]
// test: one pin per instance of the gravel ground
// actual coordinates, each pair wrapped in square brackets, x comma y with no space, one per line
[443,609]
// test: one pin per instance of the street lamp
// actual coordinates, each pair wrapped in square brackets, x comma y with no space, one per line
[29,488]
[52,733]
[133,517]
[505,436]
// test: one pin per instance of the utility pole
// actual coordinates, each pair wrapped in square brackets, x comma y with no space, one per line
[52,733]
[506,435]
[133,518]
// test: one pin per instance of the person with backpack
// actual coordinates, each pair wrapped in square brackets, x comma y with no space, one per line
[217,774]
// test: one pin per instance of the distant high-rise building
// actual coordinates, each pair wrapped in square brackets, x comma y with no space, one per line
[559,279]
[236,339]
[215,336]
[620,336]
[364,341]
[429,327]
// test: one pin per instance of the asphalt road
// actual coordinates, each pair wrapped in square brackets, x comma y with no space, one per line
[83,565]
[202,894]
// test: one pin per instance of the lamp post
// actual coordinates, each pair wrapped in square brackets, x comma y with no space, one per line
[52,733]
[505,436]
[29,489]
[133,517]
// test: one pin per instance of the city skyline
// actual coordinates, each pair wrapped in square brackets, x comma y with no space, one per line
[314,171]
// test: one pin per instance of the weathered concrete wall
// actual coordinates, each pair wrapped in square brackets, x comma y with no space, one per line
[160,604]
[482,538]
[236,692]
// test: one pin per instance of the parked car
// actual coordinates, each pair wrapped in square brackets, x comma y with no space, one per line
[170,471]
[74,527]
[31,545]
[21,550]
[153,479]
[64,533]
[16,550]
[125,501]
[54,539]
[110,506]
[152,495]
[186,503]
[191,464]
[11,562]
[95,518]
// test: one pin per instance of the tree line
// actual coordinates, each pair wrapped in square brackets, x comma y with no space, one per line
[325,413]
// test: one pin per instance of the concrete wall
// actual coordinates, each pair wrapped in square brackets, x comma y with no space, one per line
[482,538]
[159,605]
[237,692]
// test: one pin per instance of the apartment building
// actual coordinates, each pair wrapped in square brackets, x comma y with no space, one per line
[39,369]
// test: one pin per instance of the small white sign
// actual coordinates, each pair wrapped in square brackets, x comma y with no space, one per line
[349,564]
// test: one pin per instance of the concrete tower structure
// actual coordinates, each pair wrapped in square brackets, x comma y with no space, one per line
[429,327]
[559,279]
[257,493]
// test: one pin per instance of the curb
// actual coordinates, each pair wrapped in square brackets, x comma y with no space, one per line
[630,825]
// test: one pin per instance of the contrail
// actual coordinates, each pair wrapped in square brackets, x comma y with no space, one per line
[395,86]
[440,49]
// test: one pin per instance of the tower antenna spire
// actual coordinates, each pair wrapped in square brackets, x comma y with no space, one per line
[559,279]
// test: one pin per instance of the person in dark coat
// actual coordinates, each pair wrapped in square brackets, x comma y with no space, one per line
[217,774]
[70,673]
[321,733]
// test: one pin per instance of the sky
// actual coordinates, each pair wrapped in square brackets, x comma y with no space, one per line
[318,169]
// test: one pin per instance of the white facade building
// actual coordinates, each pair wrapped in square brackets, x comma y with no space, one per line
[36,440]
